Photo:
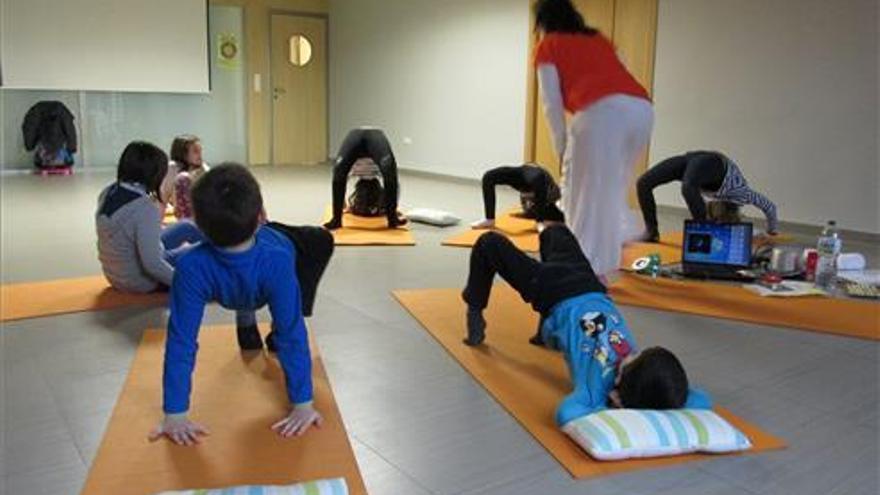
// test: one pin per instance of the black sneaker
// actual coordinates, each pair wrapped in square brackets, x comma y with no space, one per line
[249,338]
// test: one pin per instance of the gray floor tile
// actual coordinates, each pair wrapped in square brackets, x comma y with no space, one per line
[39,447]
[67,480]
[822,456]
[381,477]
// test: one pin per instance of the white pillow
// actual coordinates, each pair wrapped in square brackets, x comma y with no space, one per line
[321,487]
[432,216]
[614,434]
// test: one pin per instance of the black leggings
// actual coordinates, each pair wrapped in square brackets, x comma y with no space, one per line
[365,143]
[314,248]
[562,273]
[525,178]
[698,171]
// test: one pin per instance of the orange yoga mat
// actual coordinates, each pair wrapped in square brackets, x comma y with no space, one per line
[237,396]
[849,317]
[72,295]
[530,381]
[521,231]
[369,231]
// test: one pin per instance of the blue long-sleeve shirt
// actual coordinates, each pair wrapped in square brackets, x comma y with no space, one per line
[594,339]
[247,280]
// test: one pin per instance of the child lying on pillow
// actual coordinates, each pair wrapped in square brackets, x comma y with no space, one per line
[579,320]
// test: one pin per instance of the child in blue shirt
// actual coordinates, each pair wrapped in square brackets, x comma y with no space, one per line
[579,320]
[244,266]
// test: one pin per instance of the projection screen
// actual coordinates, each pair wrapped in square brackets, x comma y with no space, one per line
[105,45]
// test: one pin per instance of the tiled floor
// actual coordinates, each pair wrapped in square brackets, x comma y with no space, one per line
[419,424]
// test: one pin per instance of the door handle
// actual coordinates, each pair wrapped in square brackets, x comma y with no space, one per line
[277,92]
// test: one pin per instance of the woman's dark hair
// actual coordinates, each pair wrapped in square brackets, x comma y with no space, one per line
[560,16]
[368,198]
[180,148]
[654,380]
[145,164]
[227,204]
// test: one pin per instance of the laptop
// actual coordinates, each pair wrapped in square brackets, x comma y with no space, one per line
[716,251]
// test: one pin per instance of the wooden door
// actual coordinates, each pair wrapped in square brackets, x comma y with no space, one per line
[299,89]
[632,26]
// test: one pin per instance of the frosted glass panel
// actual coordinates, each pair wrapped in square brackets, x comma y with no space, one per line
[14,104]
[107,121]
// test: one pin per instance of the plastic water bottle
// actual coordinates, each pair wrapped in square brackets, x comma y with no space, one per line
[828,248]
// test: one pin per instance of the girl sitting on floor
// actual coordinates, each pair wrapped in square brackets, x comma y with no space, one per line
[186,155]
[136,253]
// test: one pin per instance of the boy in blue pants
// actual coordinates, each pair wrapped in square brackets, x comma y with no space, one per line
[244,266]
[579,320]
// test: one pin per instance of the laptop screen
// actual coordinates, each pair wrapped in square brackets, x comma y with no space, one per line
[717,243]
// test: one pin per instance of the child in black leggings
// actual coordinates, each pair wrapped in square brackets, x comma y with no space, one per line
[579,320]
[366,143]
[701,172]
[538,193]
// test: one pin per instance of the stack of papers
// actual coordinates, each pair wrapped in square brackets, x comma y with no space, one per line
[787,288]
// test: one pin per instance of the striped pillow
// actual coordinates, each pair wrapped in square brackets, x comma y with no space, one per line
[321,487]
[615,434]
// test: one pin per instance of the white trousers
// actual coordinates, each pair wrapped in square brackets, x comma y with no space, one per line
[604,142]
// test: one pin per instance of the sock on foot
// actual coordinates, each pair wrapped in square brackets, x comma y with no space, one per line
[486,223]
[476,327]
[651,236]
[398,220]
[333,224]
[249,338]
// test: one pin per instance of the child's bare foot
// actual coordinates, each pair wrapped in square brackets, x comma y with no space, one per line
[476,327]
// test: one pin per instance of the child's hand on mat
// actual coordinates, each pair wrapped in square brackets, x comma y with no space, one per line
[179,429]
[300,419]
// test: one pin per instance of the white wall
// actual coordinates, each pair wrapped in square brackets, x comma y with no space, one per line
[107,121]
[449,75]
[101,45]
[788,88]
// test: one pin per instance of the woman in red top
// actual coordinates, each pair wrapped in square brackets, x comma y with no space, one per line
[611,123]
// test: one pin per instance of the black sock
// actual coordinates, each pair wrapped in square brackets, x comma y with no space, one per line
[476,327]
[333,224]
[249,338]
